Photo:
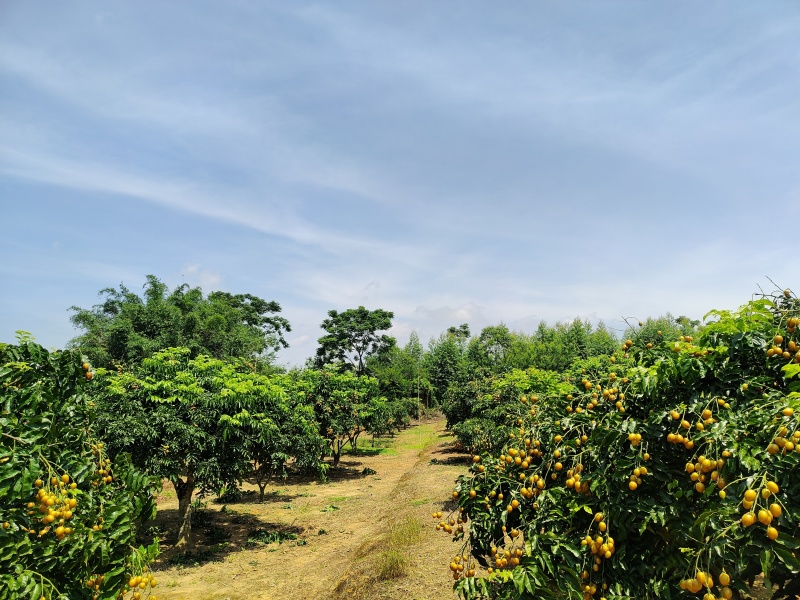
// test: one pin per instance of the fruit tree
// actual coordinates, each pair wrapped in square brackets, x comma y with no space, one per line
[68,513]
[672,473]
[168,414]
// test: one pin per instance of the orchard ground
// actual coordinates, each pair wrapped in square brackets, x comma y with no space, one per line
[359,535]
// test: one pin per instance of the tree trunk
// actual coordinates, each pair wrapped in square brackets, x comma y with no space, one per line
[262,479]
[261,488]
[336,451]
[185,490]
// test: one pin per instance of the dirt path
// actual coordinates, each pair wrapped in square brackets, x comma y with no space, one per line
[357,536]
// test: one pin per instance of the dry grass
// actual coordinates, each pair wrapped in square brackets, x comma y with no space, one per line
[392,564]
[394,560]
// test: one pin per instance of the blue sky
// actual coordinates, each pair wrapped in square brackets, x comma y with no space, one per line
[452,161]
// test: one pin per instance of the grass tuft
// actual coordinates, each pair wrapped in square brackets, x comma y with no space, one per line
[392,564]
[404,533]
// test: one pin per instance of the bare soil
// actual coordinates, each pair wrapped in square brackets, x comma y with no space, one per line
[337,539]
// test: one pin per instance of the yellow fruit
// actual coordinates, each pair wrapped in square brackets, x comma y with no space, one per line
[750,495]
[772,533]
[748,519]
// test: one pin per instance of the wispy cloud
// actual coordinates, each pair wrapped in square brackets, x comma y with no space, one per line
[450,163]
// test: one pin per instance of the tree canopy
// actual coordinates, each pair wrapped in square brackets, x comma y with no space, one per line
[192,421]
[353,335]
[126,328]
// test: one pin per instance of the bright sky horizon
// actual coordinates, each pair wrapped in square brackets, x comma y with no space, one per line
[452,162]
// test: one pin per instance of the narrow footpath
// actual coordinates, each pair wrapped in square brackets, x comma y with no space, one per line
[359,535]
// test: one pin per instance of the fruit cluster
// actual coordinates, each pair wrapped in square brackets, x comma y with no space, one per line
[55,502]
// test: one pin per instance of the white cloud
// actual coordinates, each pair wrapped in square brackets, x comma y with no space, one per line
[208,280]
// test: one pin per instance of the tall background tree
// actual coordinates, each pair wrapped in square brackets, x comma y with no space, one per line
[353,335]
[401,372]
[444,360]
[126,328]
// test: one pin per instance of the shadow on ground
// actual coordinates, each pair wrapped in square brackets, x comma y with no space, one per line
[215,534]
[451,454]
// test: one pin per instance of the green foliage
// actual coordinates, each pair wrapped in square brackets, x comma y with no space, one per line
[352,336]
[195,421]
[274,430]
[125,328]
[456,364]
[346,405]
[48,461]
[574,487]
[666,327]
[489,352]
[485,411]
[269,536]
[444,362]
[401,372]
